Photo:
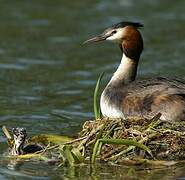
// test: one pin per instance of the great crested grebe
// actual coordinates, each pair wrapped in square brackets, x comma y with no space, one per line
[124,96]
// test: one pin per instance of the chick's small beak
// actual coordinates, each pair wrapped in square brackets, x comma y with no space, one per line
[96,39]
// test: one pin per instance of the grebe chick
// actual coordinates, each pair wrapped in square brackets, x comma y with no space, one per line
[19,147]
[126,97]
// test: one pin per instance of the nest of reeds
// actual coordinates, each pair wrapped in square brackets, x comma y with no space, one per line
[156,140]
[132,141]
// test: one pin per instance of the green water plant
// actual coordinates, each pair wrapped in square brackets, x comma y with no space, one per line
[50,139]
[97,112]
[118,142]
[131,141]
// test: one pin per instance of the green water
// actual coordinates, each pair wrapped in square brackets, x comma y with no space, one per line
[45,70]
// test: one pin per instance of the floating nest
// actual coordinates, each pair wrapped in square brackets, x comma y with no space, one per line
[131,141]
[164,141]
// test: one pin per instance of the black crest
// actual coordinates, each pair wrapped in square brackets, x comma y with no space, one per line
[127,23]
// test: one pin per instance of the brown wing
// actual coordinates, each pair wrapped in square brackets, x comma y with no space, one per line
[148,97]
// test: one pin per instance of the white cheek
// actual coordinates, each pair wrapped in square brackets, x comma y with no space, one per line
[116,37]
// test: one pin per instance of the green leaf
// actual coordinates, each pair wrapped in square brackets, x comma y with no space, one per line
[153,122]
[47,138]
[118,142]
[96,101]
[68,154]
[77,155]
[95,149]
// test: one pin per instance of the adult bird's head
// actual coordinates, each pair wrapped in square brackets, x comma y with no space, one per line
[125,34]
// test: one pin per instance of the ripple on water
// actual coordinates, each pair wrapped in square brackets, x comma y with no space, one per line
[70,92]
[71,114]
[29,61]
[13,66]
[23,117]
[87,82]
[39,22]
[82,73]
[104,5]
[14,171]
[59,39]
[29,98]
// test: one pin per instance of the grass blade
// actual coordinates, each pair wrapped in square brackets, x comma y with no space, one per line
[118,142]
[95,149]
[153,122]
[77,155]
[96,101]
[68,155]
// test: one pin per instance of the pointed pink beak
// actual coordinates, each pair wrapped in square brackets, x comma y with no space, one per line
[96,39]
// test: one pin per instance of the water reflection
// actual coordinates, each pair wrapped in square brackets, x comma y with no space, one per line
[100,171]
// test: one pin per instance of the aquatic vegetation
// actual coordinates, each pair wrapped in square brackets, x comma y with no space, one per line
[97,112]
[131,141]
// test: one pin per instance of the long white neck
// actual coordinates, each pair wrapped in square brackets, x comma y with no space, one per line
[125,73]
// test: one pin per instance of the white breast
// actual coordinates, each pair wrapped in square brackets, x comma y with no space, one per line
[109,110]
